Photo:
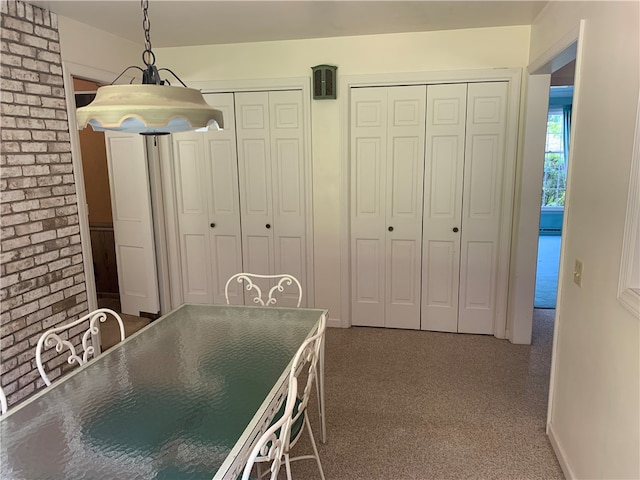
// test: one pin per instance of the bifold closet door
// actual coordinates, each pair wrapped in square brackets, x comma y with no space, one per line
[482,202]
[270,141]
[444,165]
[132,222]
[463,199]
[387,158]
[208,208]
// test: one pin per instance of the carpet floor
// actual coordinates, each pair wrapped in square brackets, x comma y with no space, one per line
[547,271]
[424,405]
[413,405]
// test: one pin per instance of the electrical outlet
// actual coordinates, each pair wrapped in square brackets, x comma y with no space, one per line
[577,273]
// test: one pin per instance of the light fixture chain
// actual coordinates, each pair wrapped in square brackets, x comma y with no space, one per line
[147,56]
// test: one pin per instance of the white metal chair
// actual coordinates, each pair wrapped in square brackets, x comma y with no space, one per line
[249,280]
[270,447]
[3,402]
[308,354]
[90,340]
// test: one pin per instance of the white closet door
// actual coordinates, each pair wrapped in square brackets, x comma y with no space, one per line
[288,180]
[193,217]
[482,206]
[404,174]
[225,238]
[254,166]
[444,161]
[208,208]
[387,152]
[368,193]
[132,223]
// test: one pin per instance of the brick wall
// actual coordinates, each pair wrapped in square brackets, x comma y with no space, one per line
[41,269]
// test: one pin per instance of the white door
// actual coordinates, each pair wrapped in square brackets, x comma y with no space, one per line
[387,152]
[254,167]
[482,202]
[132,223]
[444,162]
[206,178]
[271,166]
[463,205]
[288,192]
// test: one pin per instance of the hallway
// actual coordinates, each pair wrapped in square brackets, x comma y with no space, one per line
[547,271]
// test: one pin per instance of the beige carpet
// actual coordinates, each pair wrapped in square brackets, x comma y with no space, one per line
[424,405]
[405,404]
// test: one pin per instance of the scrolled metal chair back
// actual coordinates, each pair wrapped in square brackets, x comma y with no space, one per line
[3,402]
[307,359]
[271,446]
[52,338]
[249,280]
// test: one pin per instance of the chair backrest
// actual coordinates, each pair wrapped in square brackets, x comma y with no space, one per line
[308,354]
[89,340]
[3,402]
[249,280]
[270,447]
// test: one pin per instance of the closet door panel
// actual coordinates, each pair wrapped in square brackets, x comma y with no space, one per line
[193,219]
[290,253]
[288,179]
[403,205]
[255,179]
[368,205]
[443,183]
[208,207]
[482,206]
[368,282]
[225,236]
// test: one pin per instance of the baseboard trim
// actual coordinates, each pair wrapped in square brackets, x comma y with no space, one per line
[334,323]
[559,451]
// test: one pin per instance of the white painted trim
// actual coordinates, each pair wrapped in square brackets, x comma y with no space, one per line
[247,85]
[334,323]
[628,292]
[508,192]
[174,265]
[525,231]
[159,227]
[510,75]
[70,70]
[232,86]
[558,55]
[571,160]
[560,453]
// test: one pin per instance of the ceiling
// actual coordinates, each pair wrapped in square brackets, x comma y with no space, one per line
[183,22]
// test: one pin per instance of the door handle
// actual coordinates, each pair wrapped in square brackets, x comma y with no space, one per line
[212,225]
[391,229]
[268,225]
[455,229]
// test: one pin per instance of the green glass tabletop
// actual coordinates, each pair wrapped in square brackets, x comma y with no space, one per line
[172,401]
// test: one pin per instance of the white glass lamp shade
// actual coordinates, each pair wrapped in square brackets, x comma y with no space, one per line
[148,109]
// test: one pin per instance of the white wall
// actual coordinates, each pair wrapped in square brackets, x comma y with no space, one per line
[412,52]
[89,47]
[595,411]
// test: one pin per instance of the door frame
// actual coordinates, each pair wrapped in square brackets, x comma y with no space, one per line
[168,177]
[69,71]
[510,75]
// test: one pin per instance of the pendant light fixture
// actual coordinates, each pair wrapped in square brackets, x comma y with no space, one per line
[151,108]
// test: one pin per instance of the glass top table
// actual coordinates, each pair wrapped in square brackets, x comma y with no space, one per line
[183,398]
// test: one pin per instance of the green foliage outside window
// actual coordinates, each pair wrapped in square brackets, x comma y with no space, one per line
[554,180]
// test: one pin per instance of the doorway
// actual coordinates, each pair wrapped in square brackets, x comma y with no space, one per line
[554,185]
[98,198]
[95,177]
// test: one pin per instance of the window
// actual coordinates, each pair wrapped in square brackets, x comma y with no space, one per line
[555,160]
